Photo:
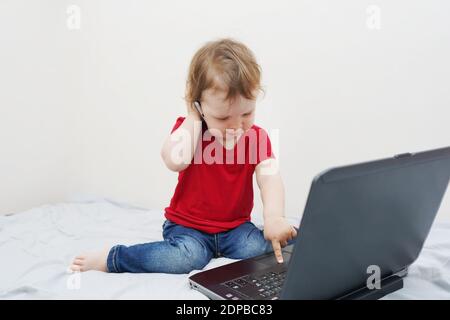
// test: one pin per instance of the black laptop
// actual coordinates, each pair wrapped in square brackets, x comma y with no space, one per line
[362,227]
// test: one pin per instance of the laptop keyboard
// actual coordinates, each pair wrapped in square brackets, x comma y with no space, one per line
[264,286]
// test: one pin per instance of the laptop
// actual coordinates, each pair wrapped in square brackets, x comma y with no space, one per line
[362,227]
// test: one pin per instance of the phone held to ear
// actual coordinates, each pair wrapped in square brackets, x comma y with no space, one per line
[199,108]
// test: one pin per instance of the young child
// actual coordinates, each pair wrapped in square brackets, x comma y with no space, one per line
[216,149]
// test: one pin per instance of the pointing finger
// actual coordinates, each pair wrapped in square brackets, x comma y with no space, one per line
[277,250]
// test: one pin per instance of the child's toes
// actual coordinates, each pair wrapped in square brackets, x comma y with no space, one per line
[75,268]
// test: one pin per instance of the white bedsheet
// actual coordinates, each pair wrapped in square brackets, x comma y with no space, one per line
[37,246]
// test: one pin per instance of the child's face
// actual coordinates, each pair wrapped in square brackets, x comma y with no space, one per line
[230,118]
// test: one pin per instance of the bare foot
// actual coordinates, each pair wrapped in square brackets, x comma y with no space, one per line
[90,261]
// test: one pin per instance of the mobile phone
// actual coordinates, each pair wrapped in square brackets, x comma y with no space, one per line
[199,108]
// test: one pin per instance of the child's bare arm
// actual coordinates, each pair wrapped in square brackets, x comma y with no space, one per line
[276,228]
[179,148]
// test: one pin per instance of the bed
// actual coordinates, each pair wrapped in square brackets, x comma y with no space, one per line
[37,246]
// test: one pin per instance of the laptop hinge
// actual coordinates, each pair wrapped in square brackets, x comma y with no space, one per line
[387,286]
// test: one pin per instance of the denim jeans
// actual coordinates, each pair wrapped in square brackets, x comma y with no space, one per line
[185,249]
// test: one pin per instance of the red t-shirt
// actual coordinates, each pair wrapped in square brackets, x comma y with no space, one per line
[216,196]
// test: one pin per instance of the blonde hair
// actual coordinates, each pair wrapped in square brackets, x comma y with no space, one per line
[223,63]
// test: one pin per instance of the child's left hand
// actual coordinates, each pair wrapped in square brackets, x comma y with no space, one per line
[279,231]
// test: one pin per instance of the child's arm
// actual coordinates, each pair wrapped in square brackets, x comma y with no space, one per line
[173,147]
[276,228]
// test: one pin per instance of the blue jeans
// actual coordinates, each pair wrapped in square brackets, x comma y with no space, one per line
[185,249]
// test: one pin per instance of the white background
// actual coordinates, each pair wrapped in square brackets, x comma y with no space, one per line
[85,111]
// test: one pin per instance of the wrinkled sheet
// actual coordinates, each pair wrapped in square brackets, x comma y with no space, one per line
[37,246]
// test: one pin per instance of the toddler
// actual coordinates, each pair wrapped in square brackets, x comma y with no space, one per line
[216,148]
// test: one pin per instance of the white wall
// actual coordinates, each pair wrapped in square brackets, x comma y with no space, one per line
[85,111]
[39,95]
